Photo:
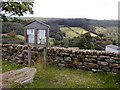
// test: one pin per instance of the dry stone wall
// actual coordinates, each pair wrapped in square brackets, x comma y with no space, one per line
[79,59]
[19,53]
[85,59]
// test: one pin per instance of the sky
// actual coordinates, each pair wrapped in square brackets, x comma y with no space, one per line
[91,9]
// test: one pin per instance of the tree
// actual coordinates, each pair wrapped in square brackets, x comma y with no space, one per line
[16,8]
[85,42]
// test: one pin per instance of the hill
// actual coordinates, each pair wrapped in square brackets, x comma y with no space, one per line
[64,31]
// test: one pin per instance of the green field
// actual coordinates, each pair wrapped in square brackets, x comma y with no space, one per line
[100,30]
[53,77]
[81,31]
[76,31]
[68,32]
[20,37]
[108,31]
[111,32]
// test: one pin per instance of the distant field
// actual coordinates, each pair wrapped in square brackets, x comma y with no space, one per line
[81,31]
[108,31]
[20,37]
[100,30]
[68,32]
[74,31]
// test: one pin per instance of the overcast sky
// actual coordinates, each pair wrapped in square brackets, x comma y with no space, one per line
[91,9]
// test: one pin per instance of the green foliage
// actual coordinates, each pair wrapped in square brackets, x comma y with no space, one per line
[57,43]
[85,42]
[8,39]
[58,37]
[7,27]
[110,33]
[51,41]
[17,8]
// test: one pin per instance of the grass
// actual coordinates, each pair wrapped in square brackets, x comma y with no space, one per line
[77,31]
[68,32]
[53,77]
[20,37]
[82,31]
[6,66]
[100,30]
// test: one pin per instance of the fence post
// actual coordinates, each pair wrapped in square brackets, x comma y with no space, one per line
[29,55]
[45,55]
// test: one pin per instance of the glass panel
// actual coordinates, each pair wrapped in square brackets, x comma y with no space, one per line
[31,38]
[31,33]
[41,38]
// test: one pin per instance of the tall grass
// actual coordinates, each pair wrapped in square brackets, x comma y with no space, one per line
[53,77]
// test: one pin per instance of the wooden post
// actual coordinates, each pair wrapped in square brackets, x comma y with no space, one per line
[29,55]
[45,59]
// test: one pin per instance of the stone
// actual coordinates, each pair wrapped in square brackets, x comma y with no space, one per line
[83,67]
[113,65]
[20,56]
[4,49]
[102,63]
[80,63]
[64,54]
[61,65]
[67,59]
[105,68]
[23,76]
[19,46]
[95,70]
[19,62]
[90,60]
[89,56]
[62,62]
[110,60]
[34,49]
[91,65]
[59,58]
[75,59]
[25,47]
[75,63]
[25,51]
[10,47]
[115,70]
[118,62]
[81,58]
[115,58]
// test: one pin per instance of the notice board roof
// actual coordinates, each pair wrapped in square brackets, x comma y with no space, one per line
[36,25]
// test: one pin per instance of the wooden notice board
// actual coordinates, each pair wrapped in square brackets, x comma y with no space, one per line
[37,34]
